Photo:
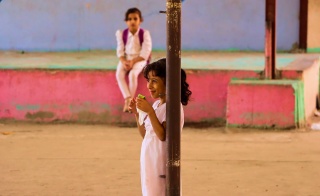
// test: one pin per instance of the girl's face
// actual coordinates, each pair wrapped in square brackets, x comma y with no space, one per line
[156,86]
[133,22]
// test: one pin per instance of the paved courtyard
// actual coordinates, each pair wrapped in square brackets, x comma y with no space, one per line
[68,159]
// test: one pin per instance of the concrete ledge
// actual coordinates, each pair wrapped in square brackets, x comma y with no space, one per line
[59,95]
[94,96]
[266,104]
[81,86]
[307,70]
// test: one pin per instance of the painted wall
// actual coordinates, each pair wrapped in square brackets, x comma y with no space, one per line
[44,95]
[263,103]
[284,103]
[91,24]
[93,96]
[313,42]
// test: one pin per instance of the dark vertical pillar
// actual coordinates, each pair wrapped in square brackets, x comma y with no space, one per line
[270,40]
[303,24]
[173,101]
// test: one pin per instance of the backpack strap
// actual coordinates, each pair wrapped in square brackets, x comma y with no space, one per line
[141,33]
[125,36]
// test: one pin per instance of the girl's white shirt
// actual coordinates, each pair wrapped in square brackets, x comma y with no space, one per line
[161,115]
[133,48]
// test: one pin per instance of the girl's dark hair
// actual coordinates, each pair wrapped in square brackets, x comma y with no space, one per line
[159,69]
[132,11]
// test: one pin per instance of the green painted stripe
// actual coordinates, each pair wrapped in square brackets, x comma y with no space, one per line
[200,60]
[264,82]
[27,107]
[313,50]
[299,111]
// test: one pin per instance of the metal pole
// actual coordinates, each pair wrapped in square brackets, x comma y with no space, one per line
[270,40]
[303,28]
[173,102]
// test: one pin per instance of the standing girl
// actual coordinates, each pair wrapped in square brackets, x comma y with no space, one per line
[153,129]
[133,49]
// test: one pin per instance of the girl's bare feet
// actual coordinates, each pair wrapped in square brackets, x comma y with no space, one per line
[126,104]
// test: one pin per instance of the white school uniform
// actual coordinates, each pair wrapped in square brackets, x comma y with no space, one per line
[154,155]
[131,50]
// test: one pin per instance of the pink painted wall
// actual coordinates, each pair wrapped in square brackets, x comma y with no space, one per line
[209,98]
[44,95]
[261,105]
[93,96]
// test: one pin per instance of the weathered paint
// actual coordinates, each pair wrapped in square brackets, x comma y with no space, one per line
[91,94]
[209,93]
[265,103]
[41,115]
[173,98]
[27,107]
[89,24]
[86,96]
[62,95]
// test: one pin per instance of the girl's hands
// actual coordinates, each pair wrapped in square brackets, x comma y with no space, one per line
[143,105]
[132,106]
[130,64]
[125,63]
[134,61]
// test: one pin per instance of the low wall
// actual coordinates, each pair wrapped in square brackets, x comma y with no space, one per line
[81,87]
[284,103]
[209,98]
[63,95]
[266,104]
[93,95]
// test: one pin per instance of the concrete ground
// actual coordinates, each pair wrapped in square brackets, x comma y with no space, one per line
[73,159]
[69,159]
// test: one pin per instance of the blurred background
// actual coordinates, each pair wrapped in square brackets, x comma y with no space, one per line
[228,25]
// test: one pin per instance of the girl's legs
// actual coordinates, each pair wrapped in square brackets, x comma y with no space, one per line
[121,79]
[133,76]
[128,92]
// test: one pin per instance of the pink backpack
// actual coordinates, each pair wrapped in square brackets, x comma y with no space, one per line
[125,37]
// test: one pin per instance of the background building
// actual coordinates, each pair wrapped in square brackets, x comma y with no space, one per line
[206,24]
